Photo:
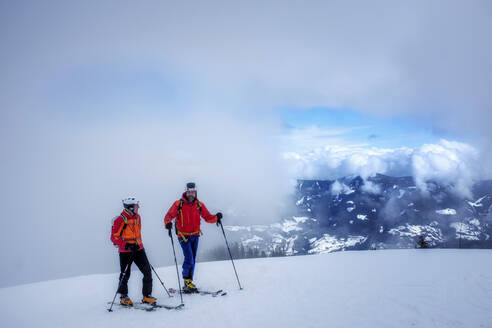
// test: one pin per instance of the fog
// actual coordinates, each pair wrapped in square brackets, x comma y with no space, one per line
[101,100]
[67,184]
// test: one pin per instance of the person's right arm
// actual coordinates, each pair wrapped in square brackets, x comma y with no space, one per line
[172,213]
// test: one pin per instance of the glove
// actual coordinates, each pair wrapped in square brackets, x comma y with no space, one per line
[132,247]
[169,225]
[219,218]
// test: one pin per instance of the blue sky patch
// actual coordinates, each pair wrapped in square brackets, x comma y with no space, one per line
[361,128]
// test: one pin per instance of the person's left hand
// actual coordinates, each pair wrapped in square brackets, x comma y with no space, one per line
[219,218]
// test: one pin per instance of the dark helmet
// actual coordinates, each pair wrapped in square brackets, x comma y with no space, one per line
[190,186]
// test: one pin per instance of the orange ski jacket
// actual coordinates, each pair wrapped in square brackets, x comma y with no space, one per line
[126,229]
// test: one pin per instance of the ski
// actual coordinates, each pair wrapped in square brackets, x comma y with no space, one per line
[160,306]
[149,307]
[216,293]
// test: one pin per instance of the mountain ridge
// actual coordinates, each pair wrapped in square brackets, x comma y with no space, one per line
[376,213]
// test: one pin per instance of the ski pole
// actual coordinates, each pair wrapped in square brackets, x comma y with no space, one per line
[176,263]
[229,249]
[160,280]
[122,278]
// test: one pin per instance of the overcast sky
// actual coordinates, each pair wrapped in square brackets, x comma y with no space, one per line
[105,99]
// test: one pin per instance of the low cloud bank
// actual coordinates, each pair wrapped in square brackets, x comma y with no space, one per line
[452,163]
[66,180]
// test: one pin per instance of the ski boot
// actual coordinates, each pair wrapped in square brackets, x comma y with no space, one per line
[125,300]
[189,287]
[148,299]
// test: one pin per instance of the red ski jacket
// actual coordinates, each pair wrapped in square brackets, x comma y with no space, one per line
[188,217]
[126,229]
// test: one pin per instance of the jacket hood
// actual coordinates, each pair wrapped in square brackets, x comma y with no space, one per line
[128,213]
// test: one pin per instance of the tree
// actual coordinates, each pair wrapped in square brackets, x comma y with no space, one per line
[421,243]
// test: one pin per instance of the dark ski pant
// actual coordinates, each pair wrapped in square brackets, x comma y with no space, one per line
[189,251]
[140,259]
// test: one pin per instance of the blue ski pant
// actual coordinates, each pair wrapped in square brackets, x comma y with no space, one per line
[189,248]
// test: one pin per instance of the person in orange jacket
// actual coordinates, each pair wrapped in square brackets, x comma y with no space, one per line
[126,235]
[187,212]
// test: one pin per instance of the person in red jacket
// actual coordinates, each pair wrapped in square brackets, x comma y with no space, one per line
[187,212]
[126,235]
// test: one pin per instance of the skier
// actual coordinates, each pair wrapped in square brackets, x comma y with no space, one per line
[125,234]
[187,212]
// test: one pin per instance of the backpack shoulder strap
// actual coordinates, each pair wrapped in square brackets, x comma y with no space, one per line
[125,220]
[199,204]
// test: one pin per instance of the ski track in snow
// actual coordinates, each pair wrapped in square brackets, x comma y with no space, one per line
[390,288]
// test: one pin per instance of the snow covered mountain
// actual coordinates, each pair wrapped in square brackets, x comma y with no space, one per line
[380,212]
[390,288]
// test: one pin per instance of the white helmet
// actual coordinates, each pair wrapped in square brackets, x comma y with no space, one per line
[129,202]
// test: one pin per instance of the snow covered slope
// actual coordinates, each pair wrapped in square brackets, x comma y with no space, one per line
[388,288]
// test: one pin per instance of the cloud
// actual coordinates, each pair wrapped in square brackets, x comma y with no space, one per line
[384,58]
[338,188]
[371,188]
[448,162]
[101,101]
[331,162]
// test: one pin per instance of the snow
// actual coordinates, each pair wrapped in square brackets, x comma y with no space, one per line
[253,240]
[277,238]
[259,228]
[402,192]
[300,219]
[237,228]
[447,211]
[466,231]
[291,225]
[478,203]
[328,243]
[384,289]
[475,222]
[362,217]
[412,230]
[337,188]
[290,246]
[348,192]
